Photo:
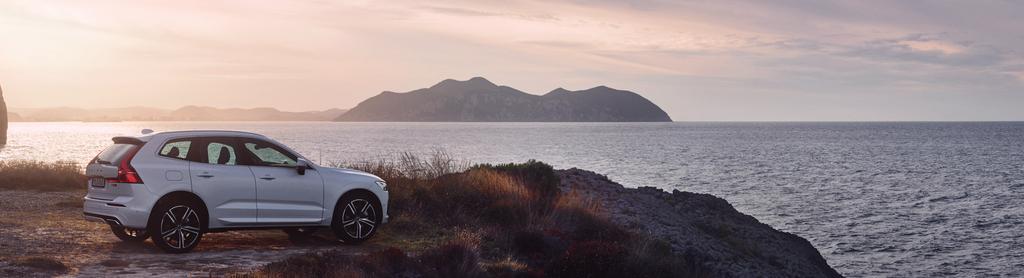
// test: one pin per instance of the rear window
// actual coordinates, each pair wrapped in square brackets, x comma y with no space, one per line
[113,154]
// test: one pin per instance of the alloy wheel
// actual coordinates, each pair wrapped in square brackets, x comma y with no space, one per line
[359,218]
[179,227]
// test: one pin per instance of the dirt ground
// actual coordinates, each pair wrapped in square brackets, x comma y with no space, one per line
[37,228]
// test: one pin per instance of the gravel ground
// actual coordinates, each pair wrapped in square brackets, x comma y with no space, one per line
[48,226]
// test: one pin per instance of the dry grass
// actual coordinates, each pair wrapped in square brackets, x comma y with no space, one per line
[41,176]
[509,220]
[459,257]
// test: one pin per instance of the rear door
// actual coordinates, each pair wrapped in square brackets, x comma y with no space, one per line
[227,186]
[285,197]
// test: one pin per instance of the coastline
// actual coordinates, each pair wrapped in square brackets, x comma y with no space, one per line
[703,227]
[700,230]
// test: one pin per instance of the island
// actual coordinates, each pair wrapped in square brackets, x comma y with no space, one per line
[479,100]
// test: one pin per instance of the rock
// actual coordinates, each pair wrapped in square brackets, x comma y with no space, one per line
[702,226]
[3,118]
[479,100]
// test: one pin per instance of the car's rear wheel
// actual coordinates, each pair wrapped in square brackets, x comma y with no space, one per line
[176,226]
[356,217]
[129,234]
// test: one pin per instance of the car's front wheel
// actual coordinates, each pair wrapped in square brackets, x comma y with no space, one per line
[356,217]
[129,234]
[176,226]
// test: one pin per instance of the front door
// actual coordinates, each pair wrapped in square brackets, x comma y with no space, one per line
[285,196]
[227,187]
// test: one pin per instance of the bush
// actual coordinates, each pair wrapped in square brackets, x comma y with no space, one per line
[391,262]
[581,220]
[529,227]
[529,243]
[538,176]
[41,176]
[457,258]
[590,259]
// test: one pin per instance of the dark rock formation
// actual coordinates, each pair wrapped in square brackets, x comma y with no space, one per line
[703,227]
[479,100]
[3,119]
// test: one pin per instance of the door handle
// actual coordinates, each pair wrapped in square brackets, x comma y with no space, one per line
[205,176]
[268,178]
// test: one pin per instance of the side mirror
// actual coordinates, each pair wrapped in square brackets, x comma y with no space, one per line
[301,166]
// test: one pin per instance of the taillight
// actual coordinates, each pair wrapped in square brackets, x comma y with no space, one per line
[125,172]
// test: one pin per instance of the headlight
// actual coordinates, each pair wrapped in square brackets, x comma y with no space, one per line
[383,185]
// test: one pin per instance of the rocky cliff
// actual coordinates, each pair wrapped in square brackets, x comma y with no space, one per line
[479,100]
[704,228]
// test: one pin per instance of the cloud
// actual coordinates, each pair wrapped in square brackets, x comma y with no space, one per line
[690,55]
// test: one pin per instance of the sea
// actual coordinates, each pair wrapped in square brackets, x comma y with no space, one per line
[878,199]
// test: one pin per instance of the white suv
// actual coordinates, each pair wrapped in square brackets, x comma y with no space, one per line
[176,186]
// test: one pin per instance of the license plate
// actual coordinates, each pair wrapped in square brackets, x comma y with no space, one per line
[98,182]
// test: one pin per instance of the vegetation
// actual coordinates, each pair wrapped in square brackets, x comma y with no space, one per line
[42,176]
[507,220]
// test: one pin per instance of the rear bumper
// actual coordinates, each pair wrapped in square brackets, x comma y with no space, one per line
[113,212]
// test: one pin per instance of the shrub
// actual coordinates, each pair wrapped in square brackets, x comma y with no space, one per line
[510,267]
[539,177]
[581,220]
[590,259]
[511,204]
[41,176]
[391,262]
[529,242]
[457,258]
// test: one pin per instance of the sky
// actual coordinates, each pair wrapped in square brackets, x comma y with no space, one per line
[782,60]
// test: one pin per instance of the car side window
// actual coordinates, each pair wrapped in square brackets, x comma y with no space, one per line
[221,153]
[176,148]
[267,154]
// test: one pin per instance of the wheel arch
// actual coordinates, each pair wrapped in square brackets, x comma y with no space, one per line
[185,196]
[349,192]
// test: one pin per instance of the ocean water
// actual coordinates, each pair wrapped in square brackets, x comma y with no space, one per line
[877,199]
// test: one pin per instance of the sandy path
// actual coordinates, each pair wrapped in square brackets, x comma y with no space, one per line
[50,224]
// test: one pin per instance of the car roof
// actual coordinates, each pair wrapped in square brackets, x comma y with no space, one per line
[187,133]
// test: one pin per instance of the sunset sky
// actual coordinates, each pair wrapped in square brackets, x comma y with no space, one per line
[699,60]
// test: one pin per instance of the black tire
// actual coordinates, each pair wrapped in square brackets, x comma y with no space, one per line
[177,226]
[129,234]
[300,233]
[353,215]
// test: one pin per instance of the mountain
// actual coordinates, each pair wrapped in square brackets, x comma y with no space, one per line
[200,113]
[65,114]
[187,113]
[3,119]
[479,100]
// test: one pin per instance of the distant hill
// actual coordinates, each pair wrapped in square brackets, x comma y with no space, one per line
[479,100]
[199,113]
[187,113]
